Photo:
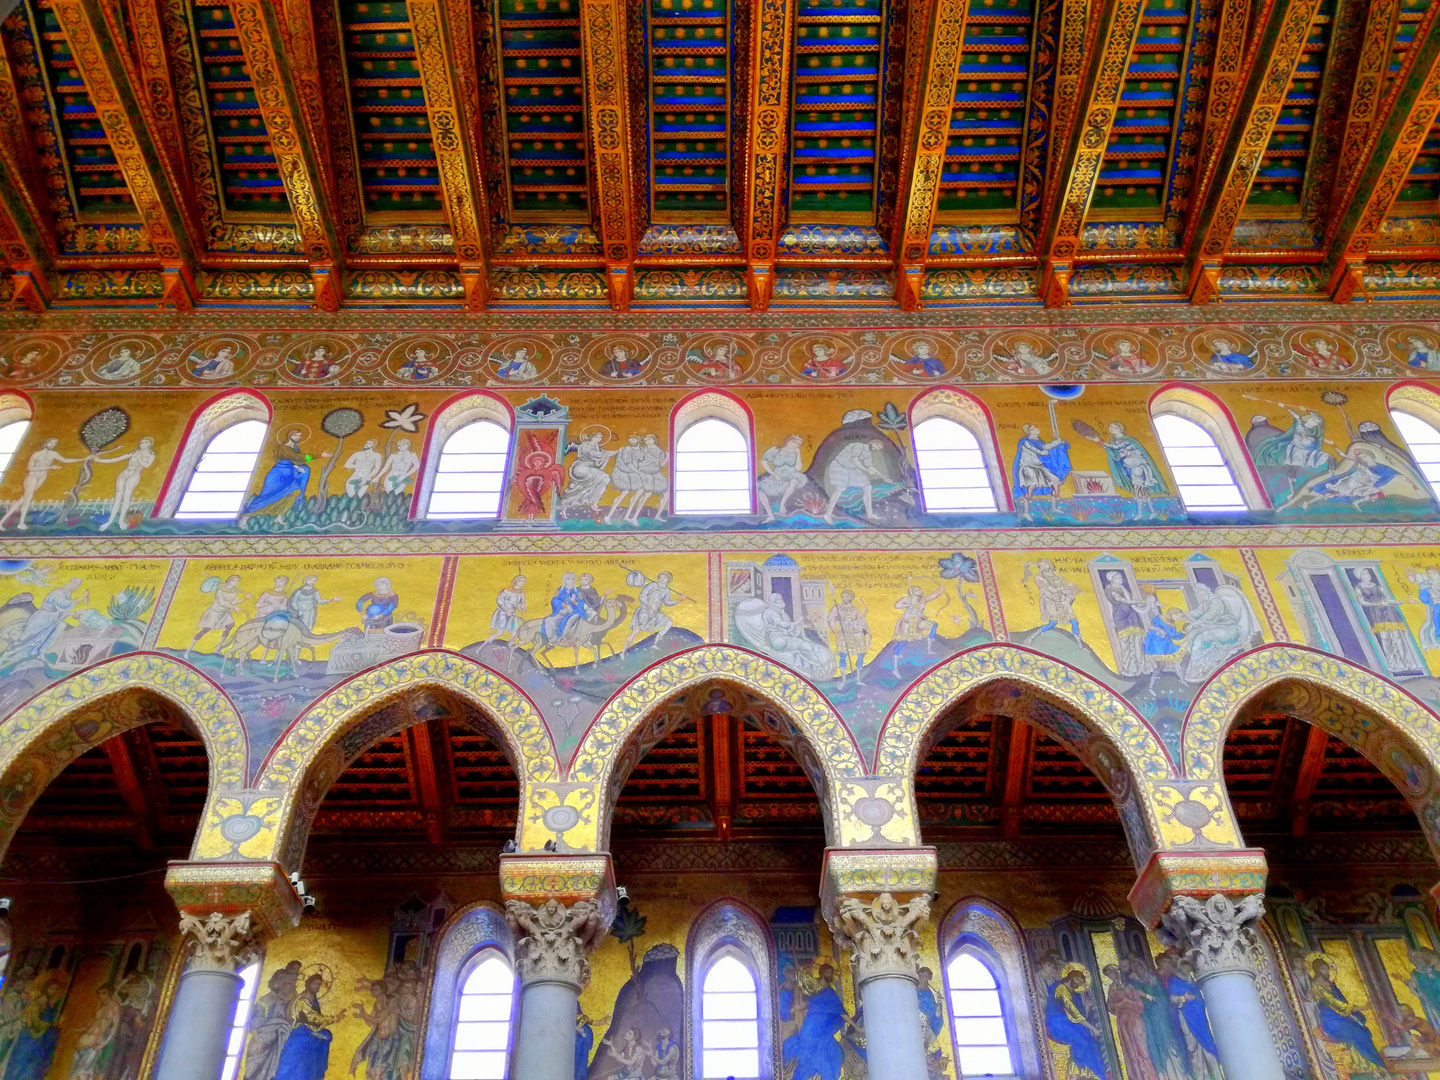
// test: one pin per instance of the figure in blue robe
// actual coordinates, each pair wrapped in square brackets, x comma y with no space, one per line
[289,475]
[1188,1012]
[307,1048]
[34,1047]
[1339,1020]
[584,1043]
[1039,467]
[1363,480]
[377,607]
[815,1048]
[567,605]
[1224,356]
[929,1003]
[1430,637]
[1067,1024]
[1162,639]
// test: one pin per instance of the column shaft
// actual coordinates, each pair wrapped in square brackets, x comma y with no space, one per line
[1242,1033]
[545,1042]
[893,1046]
[198,1028]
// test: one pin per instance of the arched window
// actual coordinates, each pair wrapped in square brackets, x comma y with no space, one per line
[1203,450]
[210,475]
[1423,440]
[221,478]
[712,469]
[729,1021]
[977,1018]
[953,474]
[467,453]
[712,472]
[481,1047]
[470,475]
[234,1049]
[1201,472]
[955,454]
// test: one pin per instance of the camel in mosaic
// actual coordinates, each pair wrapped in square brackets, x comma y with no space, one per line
[581,633]
[283,636]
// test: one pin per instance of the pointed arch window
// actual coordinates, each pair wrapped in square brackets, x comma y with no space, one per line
[978,1018]
[1423,440]
[221,478]
[713,472]
[729,1020]
[954,476]
[240,1023]
[1203,451]
[484,1019]
[1202,474]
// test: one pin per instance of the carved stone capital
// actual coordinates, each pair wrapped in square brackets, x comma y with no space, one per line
[555,941]
[880,934]
[1217,934]
[218,942]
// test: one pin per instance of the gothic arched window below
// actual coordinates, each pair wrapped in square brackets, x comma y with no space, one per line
[486,1009]
[977,1018]
[234,1049]
[730,1021]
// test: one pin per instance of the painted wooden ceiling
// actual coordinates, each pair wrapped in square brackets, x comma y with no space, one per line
[738,153]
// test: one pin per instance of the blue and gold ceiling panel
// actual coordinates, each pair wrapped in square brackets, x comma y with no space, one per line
[1137,162]
[1279,182]
[544,94]
[839,60]
[690,110]
[1407,22]
[981,178]
[248,175]
[399,178]
[96,182]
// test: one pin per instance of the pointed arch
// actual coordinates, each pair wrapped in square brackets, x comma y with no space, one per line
[473,928]
[1089,719]
[732,928]
[85,708]
[1398,734]
[827,742]
[212,417]
[1207,412]
[316,748]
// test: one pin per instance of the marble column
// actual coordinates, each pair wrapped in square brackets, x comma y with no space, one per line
[552,948]
[198,1027]
[1217,936]
[880,933]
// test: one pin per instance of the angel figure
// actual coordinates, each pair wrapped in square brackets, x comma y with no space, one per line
[1024,360]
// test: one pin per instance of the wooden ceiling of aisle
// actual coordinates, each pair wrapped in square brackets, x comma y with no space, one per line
[488,154]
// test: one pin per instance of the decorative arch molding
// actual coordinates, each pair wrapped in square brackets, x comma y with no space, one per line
[630,710]
[209,419]
[1211,415]
[1396,732]
[1090,719]
[481,925]
[984,928]
[454,413]
[84,709]
[731,927]
[311,754]
[964,408]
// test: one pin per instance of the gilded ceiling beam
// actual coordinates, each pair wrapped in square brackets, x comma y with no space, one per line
[153,74]
[766,143]
[1274,53]
[308,181]
[1381,20]
[318,36]
[1118,23]
[1227,83]
[604,52]
[160,194]
[27,234]
[1408,112]
[443,44]
[929,101]
[1072,47]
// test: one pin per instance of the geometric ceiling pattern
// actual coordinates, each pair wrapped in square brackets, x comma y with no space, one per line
[734,153]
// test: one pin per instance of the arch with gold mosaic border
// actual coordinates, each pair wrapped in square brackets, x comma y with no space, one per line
[307,759]
[1091,720]
[84,709]
[627,713]
[1398,734]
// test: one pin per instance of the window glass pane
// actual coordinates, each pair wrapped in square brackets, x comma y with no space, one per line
[729,974]
[952,469]
[979,1030]
[485,1006]
[483,1036]
[730,1034]
[985,1060]
[1202,474]
[470,473]
[729,1006]
[236,1043]
[226,467]
[478,1065]
[10,436]
[741,1064]
[968,973]
[712,469]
